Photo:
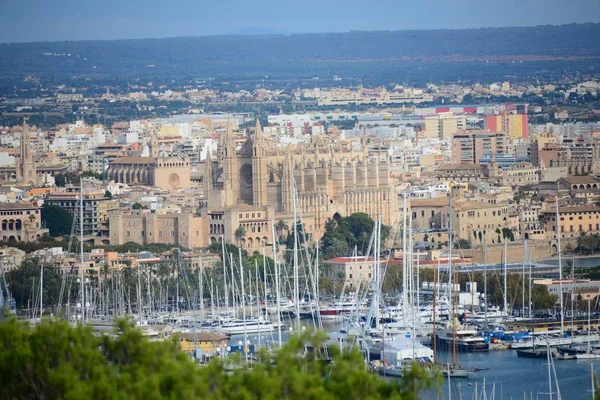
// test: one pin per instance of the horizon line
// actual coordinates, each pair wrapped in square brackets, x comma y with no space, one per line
[284,34]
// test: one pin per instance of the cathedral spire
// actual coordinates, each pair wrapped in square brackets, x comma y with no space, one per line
[208,177]
[258,133]
[25,141]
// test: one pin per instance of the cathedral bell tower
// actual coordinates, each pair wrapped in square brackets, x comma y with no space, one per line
[230,162]
[25,170]
[259,167]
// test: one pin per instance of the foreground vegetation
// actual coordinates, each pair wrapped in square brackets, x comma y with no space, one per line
[55,360]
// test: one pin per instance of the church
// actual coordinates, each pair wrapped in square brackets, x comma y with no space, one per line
[26,172]
[256,181]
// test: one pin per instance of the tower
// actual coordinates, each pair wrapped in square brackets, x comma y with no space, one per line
[259,167]
[25,170]
[230,162]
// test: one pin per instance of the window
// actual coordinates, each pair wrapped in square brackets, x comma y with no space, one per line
[172,233]
[350,276]
[128,234]
[160,233]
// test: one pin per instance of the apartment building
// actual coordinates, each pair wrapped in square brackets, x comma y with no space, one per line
[92,207]
[573,221]
[468,147]
[444,125]
[20,222]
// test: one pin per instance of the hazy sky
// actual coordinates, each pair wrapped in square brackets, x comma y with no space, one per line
[50,20]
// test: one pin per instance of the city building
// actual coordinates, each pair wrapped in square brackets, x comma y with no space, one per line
[477,221]
[573,221]
[165,173]
[515,125]
[321,179]
[185,229]
[355,271]
[444,125]
[20,222]
[69,199]
[468,147]
[429,213]
[26,171]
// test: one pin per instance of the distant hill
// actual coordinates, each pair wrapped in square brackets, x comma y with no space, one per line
[415,56]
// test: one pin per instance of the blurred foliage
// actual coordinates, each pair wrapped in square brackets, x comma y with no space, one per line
[57,361]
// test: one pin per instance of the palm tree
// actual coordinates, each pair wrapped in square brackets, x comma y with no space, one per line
[595,241]
[581,241]
[280,227]
[240,232]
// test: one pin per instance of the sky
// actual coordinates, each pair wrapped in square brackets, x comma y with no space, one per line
[53,20]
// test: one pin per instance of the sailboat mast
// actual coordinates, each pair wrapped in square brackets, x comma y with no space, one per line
[41,292]
[224,273]
[376,273]
[592,376]
[523,280]
[201,290]
[572,293]
[296,277]
[243,303]
[450,280]
[404,264]
[81,249]
[560,274]
[277,299]
[505,279]
[265,280]
[436,270]
[530,303]
[485,277]
[548,358]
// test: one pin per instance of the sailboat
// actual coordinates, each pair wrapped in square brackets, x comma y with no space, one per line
[453,333]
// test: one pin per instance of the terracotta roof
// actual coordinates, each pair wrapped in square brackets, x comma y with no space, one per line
[564,210]
[474,205]
[580,179]
[134,160]
[434,202]
[16,206]
[460,166]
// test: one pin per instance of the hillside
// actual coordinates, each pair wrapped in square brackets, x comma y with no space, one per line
[406,55]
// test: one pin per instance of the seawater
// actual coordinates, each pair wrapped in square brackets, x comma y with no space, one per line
[513,377]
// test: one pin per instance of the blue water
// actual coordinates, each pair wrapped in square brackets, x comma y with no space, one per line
[514,376]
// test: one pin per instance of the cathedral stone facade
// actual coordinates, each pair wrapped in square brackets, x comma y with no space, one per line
[26,172]
[258,182]
[165,173]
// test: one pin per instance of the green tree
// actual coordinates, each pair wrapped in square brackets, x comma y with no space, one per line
[462,244]
[27,278]
[541,299]
[57,219]
[56,360]
[281,226]
[138,206]
[239,233]
[108,195]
